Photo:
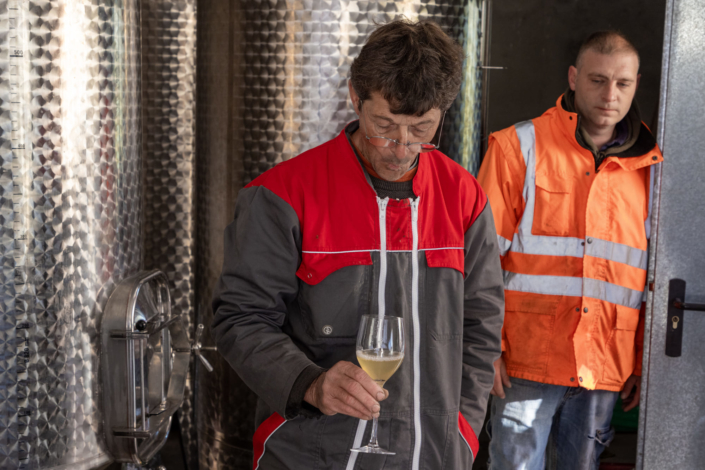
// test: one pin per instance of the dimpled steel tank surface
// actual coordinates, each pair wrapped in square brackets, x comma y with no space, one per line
[71,217]
[272,83]
[169,141]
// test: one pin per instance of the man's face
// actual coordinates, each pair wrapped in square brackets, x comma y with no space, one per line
[604,86]
[377,120]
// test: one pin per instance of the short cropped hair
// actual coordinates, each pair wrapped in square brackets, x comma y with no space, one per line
[415,66]
[606,42]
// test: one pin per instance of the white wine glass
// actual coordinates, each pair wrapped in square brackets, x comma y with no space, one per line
[380,350]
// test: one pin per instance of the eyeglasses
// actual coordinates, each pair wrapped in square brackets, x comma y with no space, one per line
[414,147]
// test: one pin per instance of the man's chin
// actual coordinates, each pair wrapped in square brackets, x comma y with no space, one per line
[605,121]
[391,177]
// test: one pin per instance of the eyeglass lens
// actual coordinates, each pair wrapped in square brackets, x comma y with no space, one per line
[379,141]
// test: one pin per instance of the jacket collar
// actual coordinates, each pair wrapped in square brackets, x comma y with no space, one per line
[639,155]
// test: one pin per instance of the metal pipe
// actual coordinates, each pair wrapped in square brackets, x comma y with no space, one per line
[486,41]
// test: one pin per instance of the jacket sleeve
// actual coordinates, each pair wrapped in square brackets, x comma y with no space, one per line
[502,178]
[261,256]
[483,317]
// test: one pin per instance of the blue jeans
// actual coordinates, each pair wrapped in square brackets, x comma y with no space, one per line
[540,426]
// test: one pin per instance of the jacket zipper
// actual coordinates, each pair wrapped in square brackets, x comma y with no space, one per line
[417,330]
[382,203]
[382,206]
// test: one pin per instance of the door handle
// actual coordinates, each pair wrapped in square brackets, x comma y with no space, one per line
[676,310]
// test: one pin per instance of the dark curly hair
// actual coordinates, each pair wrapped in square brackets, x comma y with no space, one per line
[414,66]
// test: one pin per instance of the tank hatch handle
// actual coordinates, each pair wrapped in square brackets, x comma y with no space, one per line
[145,359]
[676,310]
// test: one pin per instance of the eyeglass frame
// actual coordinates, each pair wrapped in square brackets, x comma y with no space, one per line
[408,144]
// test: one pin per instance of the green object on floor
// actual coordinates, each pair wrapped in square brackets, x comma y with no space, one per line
[625,422]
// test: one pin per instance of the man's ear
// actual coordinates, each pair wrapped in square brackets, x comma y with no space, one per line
[638,79]
[354,99]
[572,76]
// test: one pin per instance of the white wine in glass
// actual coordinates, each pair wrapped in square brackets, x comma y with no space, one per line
[380,364]
[380,351]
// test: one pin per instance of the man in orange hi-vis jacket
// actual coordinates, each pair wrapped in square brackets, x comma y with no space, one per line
[571,195]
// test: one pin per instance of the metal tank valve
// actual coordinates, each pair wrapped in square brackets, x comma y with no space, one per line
[196,347]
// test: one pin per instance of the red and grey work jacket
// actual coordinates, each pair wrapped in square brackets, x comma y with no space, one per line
[311,249]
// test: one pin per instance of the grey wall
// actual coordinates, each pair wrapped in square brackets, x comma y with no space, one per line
[538,40]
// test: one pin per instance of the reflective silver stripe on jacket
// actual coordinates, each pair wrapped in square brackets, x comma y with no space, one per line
[504,245]
[612,293]
[573,287]
[612,251]
[525,242]
[546,285]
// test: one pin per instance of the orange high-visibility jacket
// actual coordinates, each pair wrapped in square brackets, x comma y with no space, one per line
[573,245]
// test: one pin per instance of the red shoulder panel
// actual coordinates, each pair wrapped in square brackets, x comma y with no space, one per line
[451,201]
[336,206]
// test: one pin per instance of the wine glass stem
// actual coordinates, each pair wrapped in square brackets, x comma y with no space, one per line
[373,435]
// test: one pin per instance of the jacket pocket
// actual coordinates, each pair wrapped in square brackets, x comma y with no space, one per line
[453,257]
[528,327]
[553,214]
[620,350]
[315,267]
[437,439]
[335,295]
[460,444]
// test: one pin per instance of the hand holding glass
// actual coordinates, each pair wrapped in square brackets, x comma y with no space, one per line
[380,350]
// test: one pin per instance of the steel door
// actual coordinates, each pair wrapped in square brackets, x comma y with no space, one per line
[672,421]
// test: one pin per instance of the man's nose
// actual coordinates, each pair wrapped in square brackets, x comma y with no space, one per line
[610,92]
[400,150]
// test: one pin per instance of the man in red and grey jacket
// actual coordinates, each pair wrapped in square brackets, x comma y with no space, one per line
[374,217]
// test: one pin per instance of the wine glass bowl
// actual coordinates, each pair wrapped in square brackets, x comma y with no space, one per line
[380,351]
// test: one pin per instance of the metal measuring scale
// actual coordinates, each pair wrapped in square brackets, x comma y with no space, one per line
[71,215]
[19,260]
